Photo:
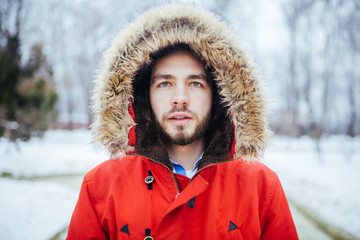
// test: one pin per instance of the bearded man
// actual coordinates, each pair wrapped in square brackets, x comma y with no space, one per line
[179,107]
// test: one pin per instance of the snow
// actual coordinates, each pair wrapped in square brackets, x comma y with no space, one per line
[41,209]
[59,152]
[36,209]
[326,183]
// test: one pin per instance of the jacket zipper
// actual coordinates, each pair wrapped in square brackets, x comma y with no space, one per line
[175,181]
[198,171]
[207,166]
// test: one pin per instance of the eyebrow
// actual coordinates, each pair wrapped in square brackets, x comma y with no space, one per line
[198,76]
[161,76]
[169,76]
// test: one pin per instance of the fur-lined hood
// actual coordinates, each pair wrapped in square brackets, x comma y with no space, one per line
[209,37]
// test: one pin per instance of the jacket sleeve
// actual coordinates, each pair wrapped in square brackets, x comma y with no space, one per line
[279,223]
[84,222]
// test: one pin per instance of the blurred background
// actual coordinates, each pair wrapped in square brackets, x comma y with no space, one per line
[308,53]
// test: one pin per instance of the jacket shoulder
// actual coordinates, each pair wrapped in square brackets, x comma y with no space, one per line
[251,169]
[113,169]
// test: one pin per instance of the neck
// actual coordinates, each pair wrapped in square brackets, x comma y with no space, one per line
[186,155]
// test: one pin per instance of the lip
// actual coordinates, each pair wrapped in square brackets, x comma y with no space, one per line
[180,114]
[179,118]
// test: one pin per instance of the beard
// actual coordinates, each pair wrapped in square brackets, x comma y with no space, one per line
[181,137]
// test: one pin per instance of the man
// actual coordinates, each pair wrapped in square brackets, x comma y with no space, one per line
[179,107]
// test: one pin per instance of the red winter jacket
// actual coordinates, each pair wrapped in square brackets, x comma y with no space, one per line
[230,200]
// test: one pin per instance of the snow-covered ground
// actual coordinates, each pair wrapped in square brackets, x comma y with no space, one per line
[40,209]
[328,186]
[326,182]
[34,210]
[59,152]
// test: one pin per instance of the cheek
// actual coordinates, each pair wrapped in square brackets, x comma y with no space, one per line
[205,102]
[156,105]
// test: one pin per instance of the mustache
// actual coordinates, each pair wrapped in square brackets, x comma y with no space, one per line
[179,109]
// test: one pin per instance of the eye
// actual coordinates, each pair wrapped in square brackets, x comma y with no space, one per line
[196,84]
[164,84]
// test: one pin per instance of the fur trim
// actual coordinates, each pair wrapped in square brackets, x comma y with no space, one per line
[212,41]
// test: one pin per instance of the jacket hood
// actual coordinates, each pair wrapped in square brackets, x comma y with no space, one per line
[235,76]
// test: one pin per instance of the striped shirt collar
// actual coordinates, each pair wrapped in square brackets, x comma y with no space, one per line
[181,170]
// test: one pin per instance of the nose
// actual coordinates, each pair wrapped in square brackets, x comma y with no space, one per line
[180,97]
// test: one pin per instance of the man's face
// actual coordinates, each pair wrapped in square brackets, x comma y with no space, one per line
[181,97]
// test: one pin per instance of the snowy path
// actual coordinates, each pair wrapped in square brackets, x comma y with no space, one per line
[39,207]
[307,229]
[34,210]
[326,183]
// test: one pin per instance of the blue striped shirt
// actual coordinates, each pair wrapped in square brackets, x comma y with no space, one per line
[181,170]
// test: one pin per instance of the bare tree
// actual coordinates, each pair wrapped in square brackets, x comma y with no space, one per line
[294,11]
[323,60]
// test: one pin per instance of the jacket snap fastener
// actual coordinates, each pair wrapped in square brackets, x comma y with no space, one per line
[149,179]
[148,238]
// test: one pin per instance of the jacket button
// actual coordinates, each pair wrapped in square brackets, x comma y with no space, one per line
[149,179]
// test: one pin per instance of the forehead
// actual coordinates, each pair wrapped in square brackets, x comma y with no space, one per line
[179,64]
